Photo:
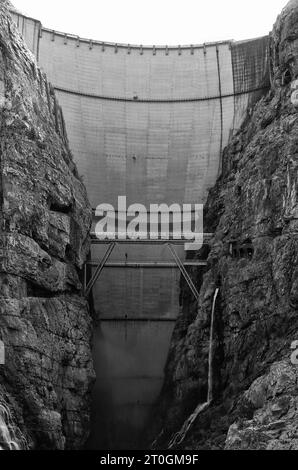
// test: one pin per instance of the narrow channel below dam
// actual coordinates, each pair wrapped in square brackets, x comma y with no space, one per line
[137,308]
[148,123]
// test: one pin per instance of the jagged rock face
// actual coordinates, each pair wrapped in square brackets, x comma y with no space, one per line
[253,212]
[274,401]
[284,45]
[45,219]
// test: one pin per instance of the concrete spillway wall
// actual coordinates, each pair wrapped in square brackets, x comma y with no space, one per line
[149,123]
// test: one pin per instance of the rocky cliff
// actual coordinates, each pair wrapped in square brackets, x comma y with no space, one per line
[253,213]
[44,223]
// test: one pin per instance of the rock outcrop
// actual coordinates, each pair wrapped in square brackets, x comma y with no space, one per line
[44,223]
[274,401]
[253,259]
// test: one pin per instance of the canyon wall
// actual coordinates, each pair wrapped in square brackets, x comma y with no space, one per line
[45,218]
[253,259]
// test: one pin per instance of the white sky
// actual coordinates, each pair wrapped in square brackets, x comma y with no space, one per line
[156,22]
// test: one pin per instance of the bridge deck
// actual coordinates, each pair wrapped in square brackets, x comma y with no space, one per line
[148,264]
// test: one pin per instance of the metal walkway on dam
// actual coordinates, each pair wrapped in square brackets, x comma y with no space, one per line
[149,123]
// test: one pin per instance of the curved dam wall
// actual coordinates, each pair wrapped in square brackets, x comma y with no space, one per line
[149,123]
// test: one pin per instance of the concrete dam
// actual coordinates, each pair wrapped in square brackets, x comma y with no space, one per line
[150,123]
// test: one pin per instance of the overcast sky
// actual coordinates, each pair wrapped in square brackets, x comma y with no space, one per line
[156,22]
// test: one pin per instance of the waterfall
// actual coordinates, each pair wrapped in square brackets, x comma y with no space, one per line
[180,436]
[8,432]
[210,358]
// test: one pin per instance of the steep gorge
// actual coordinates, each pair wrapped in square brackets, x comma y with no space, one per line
[45,220]
[253,259]
[44,320]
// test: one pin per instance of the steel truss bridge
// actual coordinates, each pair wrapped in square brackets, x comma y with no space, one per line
[103,262]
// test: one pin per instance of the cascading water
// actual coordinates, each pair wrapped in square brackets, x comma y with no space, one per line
[179,437]
[210,358]
[10,436]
